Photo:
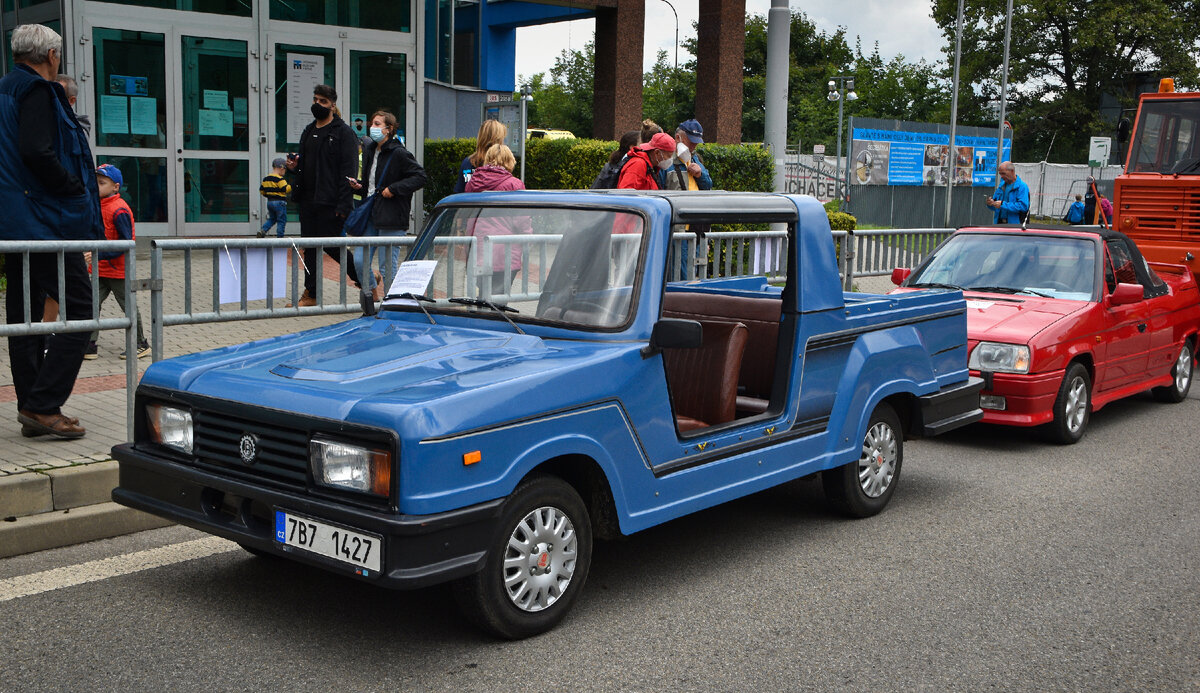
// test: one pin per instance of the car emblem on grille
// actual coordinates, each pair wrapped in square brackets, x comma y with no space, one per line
[248,447]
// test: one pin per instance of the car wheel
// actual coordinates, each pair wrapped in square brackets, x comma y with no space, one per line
[1182,373]
[1072,407]
[863,488]
[537,563]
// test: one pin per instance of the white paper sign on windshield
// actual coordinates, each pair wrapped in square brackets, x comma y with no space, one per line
[412,278]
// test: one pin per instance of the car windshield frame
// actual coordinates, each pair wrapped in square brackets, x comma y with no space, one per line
[544,261]
[993,262]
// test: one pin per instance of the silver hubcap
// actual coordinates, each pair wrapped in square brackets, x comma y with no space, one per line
[1076,406]
[1183,369]
[877,466]
[540,559]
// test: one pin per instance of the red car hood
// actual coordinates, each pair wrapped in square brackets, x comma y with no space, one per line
[1014,320]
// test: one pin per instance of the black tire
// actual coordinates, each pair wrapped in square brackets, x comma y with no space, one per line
[1181,372]
[484,598]
[1072,406]
[862,488]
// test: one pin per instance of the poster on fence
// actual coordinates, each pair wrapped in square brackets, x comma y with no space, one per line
[230,273]
[894,157]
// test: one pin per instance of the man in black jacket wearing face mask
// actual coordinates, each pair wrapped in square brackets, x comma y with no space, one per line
[326,159]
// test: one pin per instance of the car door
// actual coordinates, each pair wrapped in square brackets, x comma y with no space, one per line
[1126,328]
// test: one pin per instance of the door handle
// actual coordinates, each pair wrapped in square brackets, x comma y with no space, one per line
[1141,327]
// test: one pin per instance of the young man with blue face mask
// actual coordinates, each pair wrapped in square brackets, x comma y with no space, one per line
[392,171]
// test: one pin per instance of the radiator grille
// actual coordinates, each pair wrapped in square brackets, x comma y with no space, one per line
[1162,213]
[282,453]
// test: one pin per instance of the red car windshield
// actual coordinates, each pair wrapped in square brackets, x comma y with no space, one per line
[1053,267]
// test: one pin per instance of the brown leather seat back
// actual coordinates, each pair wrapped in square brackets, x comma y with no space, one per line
[761,316]
[703,380]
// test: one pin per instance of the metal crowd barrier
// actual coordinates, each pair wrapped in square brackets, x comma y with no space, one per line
[29,328]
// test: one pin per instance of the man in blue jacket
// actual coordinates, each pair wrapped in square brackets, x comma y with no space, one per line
[48,193]
[1011,200]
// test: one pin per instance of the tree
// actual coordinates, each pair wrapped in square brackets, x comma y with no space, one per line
[1066,56]
[669,95]
[564,101]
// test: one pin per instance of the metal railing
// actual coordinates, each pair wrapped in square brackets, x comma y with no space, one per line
[732,253]
[29,328]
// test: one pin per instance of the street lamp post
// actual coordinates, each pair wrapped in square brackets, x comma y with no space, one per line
[676,34]
[841,89]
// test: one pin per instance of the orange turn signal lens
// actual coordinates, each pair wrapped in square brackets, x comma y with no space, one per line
[471,457]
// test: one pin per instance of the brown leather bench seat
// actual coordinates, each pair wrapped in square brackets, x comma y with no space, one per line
[760,315]
[703,379]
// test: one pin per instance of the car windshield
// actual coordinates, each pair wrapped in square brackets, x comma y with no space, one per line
[1013,264]
[562,265]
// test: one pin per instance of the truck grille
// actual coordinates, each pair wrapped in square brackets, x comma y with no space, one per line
[1170,213]
[282,453]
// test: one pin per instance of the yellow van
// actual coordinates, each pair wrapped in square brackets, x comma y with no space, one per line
[545,133]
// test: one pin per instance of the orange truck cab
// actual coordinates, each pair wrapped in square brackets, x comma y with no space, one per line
[1156,201]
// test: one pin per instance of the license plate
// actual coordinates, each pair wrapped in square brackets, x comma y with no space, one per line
[347,546]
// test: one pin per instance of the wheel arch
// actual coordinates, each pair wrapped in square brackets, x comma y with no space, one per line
[587,477]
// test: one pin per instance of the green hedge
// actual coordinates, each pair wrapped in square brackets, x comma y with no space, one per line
[840,221]
[573,165]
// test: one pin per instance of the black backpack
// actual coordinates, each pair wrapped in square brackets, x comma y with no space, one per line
[609,177]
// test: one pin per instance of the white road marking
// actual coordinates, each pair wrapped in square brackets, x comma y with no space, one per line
[104,568]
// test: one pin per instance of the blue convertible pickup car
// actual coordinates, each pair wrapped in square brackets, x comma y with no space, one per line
[534,381]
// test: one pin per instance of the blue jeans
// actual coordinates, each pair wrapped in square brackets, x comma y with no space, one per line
[366,278]
[276,214]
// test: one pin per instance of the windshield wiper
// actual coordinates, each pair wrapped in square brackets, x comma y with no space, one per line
[500,308]
[419,298]
[936,285]
[1035,293]
[996,289]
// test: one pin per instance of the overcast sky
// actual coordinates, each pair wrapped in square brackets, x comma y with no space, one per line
[902,27]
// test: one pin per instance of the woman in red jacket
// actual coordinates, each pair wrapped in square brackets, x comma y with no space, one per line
[638,171]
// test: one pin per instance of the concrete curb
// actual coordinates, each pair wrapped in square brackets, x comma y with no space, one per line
[68,505]
[75,526]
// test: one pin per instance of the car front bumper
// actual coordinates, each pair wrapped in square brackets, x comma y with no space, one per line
[1028,398]
[418,550]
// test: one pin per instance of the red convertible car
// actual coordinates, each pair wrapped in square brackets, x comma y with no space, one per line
[1061,322]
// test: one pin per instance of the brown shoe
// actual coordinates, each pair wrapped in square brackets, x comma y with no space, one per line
[56,425]
[305,300]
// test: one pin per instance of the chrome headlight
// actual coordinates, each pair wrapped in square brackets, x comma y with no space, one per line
[999,358]
[338,464]
[170,427]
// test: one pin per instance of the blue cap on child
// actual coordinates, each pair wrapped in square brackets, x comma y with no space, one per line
[279,162]
[110,172]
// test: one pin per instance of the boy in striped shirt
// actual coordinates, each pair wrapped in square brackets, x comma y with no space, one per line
[275,188]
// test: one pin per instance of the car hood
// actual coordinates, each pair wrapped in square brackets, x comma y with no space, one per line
[370,371]
[1014,320]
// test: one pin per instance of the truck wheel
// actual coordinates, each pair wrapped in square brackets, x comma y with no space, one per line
[1182,372]
[537,563]
[1072,407]
[863,488]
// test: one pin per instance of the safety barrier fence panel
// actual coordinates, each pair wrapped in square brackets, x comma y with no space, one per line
[20,251]
[249,295]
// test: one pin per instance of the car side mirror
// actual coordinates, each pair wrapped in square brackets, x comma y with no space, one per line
[1126,294]
[1123,130]
[900,275]
[674,333]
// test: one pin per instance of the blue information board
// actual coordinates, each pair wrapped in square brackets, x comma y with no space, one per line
[894,157]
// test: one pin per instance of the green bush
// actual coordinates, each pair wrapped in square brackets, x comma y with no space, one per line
[840,221]
[573,165]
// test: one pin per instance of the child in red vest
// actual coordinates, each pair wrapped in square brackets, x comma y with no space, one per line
[118,226]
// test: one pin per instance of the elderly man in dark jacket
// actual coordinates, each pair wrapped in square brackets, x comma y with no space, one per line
[48,192]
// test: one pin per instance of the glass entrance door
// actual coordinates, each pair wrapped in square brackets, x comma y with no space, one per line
[217,116]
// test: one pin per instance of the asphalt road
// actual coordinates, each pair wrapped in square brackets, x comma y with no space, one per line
[1002,563]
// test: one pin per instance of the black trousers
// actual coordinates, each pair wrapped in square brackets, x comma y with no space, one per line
[43,383]
[319,221]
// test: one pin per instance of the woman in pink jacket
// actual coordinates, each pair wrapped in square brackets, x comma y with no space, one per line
[495,175]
